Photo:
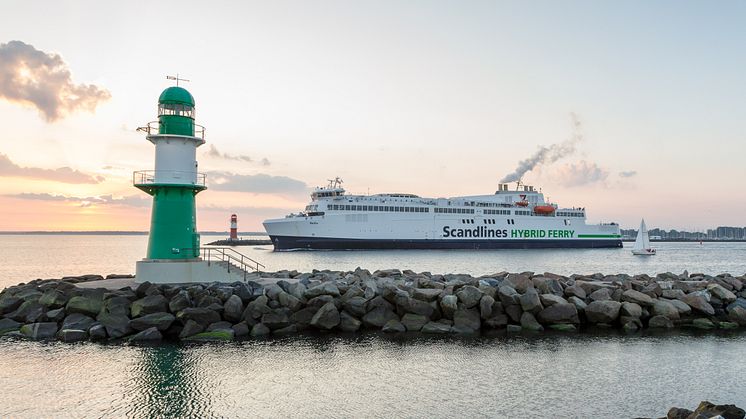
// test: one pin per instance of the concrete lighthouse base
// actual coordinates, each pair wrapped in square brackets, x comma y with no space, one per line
[169,271]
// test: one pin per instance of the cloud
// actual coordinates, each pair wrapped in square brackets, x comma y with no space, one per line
[249,210]
[33,77]
[259,183]
[62,174]
[127,201]
[629,173]
[213,152]
[548,155]
[580,173]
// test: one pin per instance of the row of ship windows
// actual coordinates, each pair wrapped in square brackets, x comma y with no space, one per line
[439,210]
[377,208]
[569,214]
[454,211]
[496,212]
[487,221]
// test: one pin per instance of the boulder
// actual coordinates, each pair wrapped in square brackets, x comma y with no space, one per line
[632,296]
[148,305]
[221,325]
[683,307]
[190,328]
[72,335]
[348,323]
[414,306]
[665,308]
[672,294]
[414,322]
[485,306]
[519,282]
[426,294]
[699,302]
[514,312]
[631,310]
[469,296]
[77,321]
[326,318]
[436,328]
[530,301]
[575,291]
[8,325]
[302,318]
[378,317]
[737,314]
[55,315]
[563,327]
[711,410]
[117,305]
[148,335]
[160,321]
[529,322]
[28,312]
[201,315]
[507,295]
[117,325]
[179,302]
[97,332]
[551,299]
[325,288]
[240,329]
[290,301]
[579,304]
[89,306]
[660,322]
[721,293]
[548,286]
[467,321]
[43,330]
[356,306]
[53,299]
[276,320]
[600,294]
[703,324]
[394,326]
[603,311]
[9,303]
[233,308]
[449,305]
[260,330]
[497,321]
[559,313]
[286,331]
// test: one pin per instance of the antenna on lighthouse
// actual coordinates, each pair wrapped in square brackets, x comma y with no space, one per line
[177,78]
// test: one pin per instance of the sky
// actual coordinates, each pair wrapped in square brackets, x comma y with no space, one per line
[630,109]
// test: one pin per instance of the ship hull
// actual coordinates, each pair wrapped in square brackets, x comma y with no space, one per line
[324,243]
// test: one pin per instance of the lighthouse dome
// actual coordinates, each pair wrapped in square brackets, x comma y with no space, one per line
[176,94]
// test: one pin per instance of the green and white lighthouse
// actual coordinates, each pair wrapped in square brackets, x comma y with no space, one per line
[174,254]
[176,181]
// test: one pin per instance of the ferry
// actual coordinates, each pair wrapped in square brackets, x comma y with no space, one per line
[517,218]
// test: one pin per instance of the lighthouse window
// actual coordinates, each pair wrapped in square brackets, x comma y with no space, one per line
[175,109]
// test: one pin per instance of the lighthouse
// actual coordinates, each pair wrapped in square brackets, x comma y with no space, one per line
[234,227]
[174,254]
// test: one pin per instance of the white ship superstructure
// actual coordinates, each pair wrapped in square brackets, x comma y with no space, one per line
[517,218]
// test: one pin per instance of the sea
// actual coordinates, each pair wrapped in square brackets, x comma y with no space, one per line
[590,374]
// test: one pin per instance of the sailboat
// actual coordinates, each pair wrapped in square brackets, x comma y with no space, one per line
[642,242]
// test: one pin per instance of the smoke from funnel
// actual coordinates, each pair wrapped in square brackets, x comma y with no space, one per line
[547,155]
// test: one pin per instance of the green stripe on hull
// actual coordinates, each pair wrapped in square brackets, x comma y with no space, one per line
[599,236]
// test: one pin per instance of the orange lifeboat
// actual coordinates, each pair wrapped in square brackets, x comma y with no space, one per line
[522,203]
[543,209]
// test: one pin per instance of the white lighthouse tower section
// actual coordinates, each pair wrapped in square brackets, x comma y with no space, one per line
[175,159]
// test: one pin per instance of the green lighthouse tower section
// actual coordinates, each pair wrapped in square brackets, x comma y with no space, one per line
[175,181]
[176,112]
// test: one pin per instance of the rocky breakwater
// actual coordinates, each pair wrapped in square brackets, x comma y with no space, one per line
[391,301]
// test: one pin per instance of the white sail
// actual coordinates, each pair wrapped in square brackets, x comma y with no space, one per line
[642,241]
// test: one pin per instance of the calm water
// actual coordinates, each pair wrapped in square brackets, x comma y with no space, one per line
[53,256]
[372,375]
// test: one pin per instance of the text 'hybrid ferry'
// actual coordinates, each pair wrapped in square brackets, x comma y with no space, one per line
[507,219]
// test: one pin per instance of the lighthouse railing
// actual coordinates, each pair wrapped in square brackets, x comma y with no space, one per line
[175,177]
[232,256]
[153,127]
